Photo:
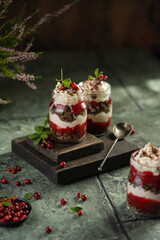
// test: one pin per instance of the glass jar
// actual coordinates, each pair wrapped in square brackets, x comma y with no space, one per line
[68,116]
[99,110]
[143,188]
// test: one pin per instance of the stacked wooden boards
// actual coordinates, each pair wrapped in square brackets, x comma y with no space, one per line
[80,162]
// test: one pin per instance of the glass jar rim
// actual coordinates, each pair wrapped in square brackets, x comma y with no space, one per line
[133,157]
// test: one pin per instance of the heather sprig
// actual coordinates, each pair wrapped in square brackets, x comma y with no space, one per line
[13,34]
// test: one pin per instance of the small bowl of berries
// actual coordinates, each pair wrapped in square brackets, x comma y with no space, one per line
[13,211]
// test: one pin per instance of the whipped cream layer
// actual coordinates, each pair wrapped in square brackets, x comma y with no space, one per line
[96,90]
[100,117]
[56,120]
[68,96]
[147,159]
[140,192]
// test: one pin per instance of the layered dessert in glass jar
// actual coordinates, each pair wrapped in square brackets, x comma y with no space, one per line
[68,112]
[99,108]
[143,188]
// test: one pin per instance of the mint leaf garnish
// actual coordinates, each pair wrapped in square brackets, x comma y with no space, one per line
[28,196]
[96,72]
[41,133]
[37,140]
[67,82]
[76,209]
[6,203]
[32,136]
[90,77]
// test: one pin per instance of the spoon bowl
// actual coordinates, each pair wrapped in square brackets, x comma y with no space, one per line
[121,130]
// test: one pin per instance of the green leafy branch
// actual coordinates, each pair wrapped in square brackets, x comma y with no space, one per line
[42,132]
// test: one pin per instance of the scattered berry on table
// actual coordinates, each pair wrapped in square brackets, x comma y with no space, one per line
[84,197]
[63,164]
[80,212]
[9,170]
[63,201]
[79,195]
[133,131]
[37,195]
[27,181]
[48,229]
[18,183]
[18,169]
[4,180]
[13,171]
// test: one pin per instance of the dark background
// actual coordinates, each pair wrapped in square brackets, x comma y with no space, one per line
[96,24]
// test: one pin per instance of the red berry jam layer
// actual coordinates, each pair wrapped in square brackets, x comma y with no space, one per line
[143,189]
[143,205]
[69,134]
[97,127]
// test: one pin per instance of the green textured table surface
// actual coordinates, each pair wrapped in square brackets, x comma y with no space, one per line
[135,79]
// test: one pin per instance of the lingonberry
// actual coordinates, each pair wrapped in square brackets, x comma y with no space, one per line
[27,181]
[133,131]
[24,207]
[79,195]
[63,87]
[49,145]
[48,138]
[99,79]
[13,171]
[8,217]
[10,212]
[105,77]
[84,197]
[43,145]
[18,183]
[74,86]
[101,76]
[22,203]
[1,214]
[37,195]
[2,208]
[26,212]
[16,208]
[9,170]
[24,216]
[48,229]
[18,169]
[15,219]
[15,198]
[80,212]
[4,180]
[17,214]
[63,201]
[2,220]
[63,164]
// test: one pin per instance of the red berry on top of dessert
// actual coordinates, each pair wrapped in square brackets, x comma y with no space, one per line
[143,188]
[99,108]
[68,112]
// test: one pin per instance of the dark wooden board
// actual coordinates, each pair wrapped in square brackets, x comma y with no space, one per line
[68,152]
[78,168]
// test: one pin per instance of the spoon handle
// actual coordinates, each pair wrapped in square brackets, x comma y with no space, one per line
[101,166]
